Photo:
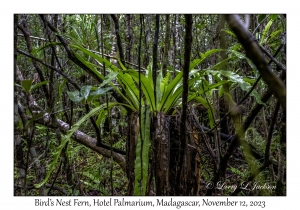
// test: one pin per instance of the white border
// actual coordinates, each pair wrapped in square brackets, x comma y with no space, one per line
[8,8]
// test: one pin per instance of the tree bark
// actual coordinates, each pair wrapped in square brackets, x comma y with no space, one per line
[129,38]
[166,48]
[182,133]
[119,42]
[155,49]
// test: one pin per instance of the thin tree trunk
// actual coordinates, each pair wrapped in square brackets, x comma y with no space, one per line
[282,157]
[155,49]
[167,46]
[129,38]
[182,134]
[147,40]
[17,133]
[119,42]
[237,138]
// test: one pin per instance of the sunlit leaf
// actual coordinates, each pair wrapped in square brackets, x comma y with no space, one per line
[274,17]
[265,32]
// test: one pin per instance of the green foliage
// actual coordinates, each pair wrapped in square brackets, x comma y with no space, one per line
[142,153]
[264,37]
[66,139]
[236,79]
[167,93]
[28,87]
[147,86]
[274,17]
[261,17]
[35,117]
[229,32]
[50,44]
[205,55]
[200,26]
[85,95]
[241,174]
[255,138]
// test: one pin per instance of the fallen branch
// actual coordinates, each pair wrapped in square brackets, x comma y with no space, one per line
[84,139]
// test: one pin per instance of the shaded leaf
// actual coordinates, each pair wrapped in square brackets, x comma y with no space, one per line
[65,139]
[108,78]
[35,117]
[197,61]
[74,96]
[35,51]
[38,85]
[98,92]
[85,91]
[26,85]
[261,17]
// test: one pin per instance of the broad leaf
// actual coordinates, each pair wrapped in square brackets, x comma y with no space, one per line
[75,96]
[108,78]
[60,88]
[85,91]
[171,102]
[35,117]
[229,32]
[26,85]
[243,56]
[98,92]
[239,80]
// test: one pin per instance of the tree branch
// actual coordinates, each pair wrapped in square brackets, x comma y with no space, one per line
[119,43]
[254,53]
[84,139]
[73,58]
[238,141]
